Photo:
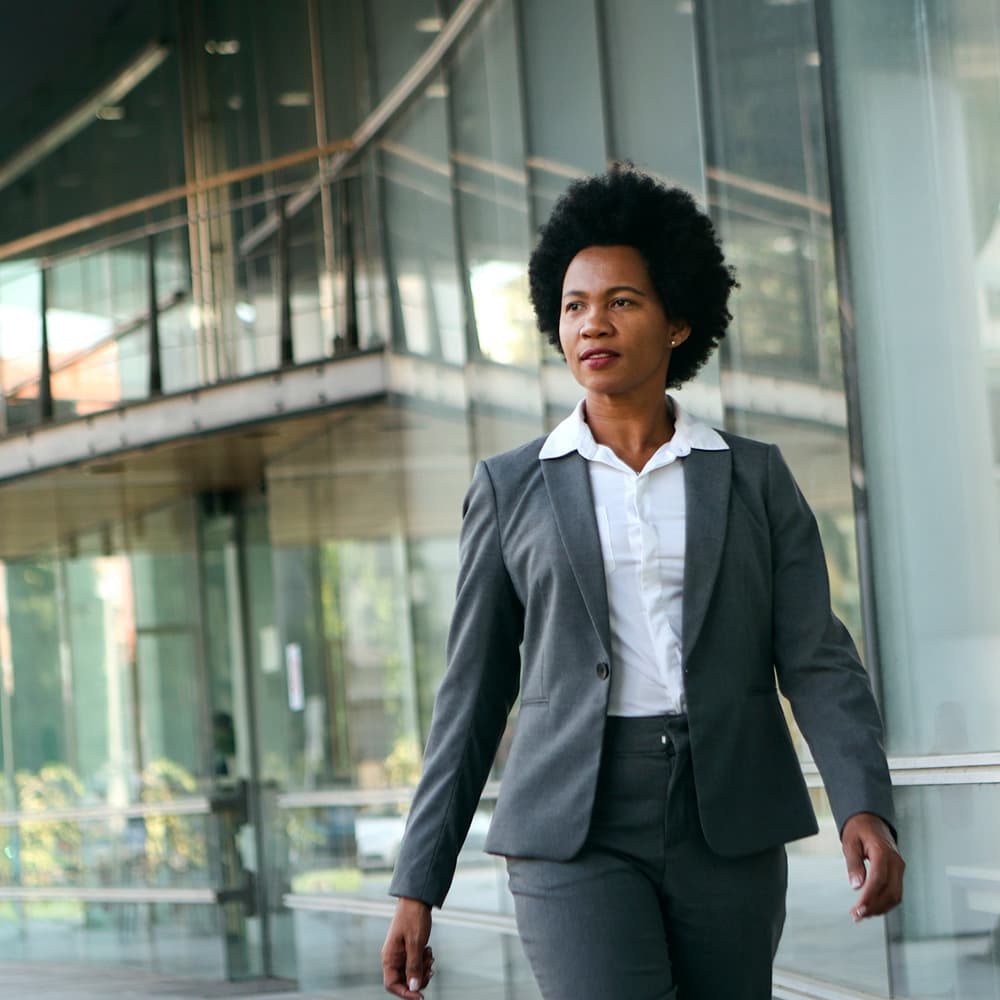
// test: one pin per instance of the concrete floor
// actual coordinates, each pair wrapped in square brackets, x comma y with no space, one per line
[54,981]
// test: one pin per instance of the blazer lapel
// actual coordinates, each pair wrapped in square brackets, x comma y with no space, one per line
[707,478]
[568,485]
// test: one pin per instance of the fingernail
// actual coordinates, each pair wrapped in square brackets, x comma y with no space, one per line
[859,913]
[855,881]
[414,984]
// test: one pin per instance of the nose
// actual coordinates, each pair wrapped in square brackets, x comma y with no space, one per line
[594,324]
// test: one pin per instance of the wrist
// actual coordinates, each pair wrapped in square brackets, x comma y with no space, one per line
[410,902]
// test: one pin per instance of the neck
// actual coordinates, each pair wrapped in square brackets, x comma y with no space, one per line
[633,432]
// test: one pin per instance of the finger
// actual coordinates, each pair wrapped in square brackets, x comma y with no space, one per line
[874,885]
[393,981]
[868,903]
[393,967]
[888,893]
[415,971]
[399,990]
[394,974]
[854,855]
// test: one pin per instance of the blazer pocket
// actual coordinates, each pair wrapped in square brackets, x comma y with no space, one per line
[604,532]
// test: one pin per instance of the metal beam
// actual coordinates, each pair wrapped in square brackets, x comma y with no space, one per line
[375,125]
[84,114]
[294,391]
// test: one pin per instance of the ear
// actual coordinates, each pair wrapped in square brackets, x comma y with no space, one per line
[679,332]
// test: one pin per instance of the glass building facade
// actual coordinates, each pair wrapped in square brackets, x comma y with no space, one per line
[263,304]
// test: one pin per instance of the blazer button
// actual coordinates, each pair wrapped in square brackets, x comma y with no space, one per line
[603,670]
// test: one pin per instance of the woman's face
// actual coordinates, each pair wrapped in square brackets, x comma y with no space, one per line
[612,326]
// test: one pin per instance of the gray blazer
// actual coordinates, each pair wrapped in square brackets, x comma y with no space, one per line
[531,614]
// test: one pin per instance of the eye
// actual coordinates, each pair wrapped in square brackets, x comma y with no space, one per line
[621,301]
[573,306]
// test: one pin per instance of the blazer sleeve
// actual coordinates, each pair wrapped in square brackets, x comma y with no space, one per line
[479,686]
[816,662]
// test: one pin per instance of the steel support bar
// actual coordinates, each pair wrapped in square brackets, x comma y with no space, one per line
[155,361]
[45,367]
[287,356]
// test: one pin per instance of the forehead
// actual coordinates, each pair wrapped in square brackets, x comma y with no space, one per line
[606,266]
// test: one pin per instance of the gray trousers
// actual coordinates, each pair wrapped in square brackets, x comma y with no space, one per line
[646,911]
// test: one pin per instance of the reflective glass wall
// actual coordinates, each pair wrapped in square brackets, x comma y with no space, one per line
[923,246]
[846,155]
[109,842]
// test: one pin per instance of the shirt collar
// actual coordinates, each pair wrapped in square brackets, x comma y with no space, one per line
[573,434]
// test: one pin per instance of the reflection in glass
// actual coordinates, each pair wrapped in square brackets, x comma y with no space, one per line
[421,230]
[490,181]
[565,130]
[20,341]
[169,938]
[480,963]
[652,89]
[352,601]
[945,938]
[819,931]
[918,109]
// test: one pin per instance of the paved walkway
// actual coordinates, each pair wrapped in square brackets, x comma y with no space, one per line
[52,981]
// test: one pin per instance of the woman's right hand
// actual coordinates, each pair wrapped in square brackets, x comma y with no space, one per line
[407,961]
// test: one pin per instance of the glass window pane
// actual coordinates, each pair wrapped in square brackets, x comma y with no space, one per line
[650,55]
[944,939]
[819,931]
[398,33]
[490,180]
[920,118]
[781,369]
[421,230]
[20,342]
[561,57]
[353,613]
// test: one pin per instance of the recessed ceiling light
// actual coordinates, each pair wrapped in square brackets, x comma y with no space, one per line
[246,312]
[222,47]
[111,113]
[436,90]
[430,25]
[295,99]
[812,58]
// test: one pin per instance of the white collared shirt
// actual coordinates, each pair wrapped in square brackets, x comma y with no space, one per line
[641,523]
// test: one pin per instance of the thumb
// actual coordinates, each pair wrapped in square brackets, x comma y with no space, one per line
[855,858]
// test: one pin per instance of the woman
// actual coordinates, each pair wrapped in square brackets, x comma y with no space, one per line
[659,580]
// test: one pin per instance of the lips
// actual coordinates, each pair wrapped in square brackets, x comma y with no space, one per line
[598,353]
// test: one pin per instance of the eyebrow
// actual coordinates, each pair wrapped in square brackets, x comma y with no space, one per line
[608,291]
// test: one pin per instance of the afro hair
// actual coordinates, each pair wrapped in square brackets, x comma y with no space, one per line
[625,207]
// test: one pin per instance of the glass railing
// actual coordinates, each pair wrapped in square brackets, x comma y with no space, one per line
[173,307]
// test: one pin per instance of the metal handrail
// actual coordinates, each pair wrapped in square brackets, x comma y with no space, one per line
[182,191]
[119,333]
[362,797]
[194,806]
[378,122]
[86,894]
[175,222]
[454,916]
